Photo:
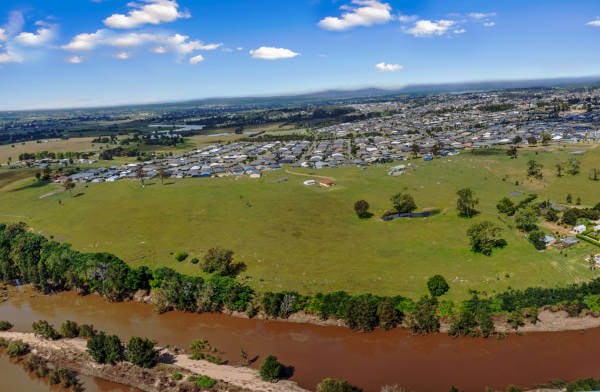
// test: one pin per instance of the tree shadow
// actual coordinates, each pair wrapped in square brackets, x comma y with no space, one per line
[79,194]
[169,183]
[33,185]
[288,372]
[253,360]
[167,358]
[366,216]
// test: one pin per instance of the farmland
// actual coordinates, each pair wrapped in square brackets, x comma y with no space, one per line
[308,239]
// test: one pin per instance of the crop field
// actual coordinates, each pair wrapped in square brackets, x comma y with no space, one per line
[83,144]
[308,239]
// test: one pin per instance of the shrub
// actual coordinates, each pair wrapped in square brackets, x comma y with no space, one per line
[17,348]
[180,256]
[333,385]
[43,329]
[69,329]
[195,260]
[141,352]
[512,388]
[220,262]
[389,317]
[86,331]
[506,206]
[424,318]
[5,325]
[177,376]
[271,369]
[205,382]
[361,312]
[437,286]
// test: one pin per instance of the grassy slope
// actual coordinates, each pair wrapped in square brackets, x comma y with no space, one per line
[308,239]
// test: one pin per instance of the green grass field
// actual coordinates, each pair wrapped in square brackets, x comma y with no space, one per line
[294,237]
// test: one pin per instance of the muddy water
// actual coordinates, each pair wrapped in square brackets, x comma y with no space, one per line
[369,360]
[16,379]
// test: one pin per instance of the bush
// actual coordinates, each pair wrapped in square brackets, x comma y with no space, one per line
[506,206]
[105,349]
[333,385]
[205,382]
[220,262]
[180,256]
[271,369]
[195,260]
[16,348]
[437,286]
[361,313]
[43,329]
[141,352]
[5,325]
[86,331]
[512,388]
[177,376]
[389,317]
[69,329]
[424,318]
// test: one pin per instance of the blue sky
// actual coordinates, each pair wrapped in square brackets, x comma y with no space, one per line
[102,52]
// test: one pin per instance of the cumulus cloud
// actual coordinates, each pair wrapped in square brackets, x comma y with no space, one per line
[428,28]
[196,59]
[85,41]
[489,24]
[122,56]
[407,18]
[2,35]
[41,37]
[459,31]
[595,23]
[159,50]
[74,59]
[363,13]
[383,67]
[270,53]
[153,12]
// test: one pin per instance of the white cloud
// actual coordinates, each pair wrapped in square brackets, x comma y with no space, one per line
[74,59]
[2,35]
[482,15]
[407,18]
[196,59]
[595,23]
[383,67]
[270,53]
[428,28]
[489,24]
[122,56]
[159,50]
[10,57]
[154,12]
[459,31]
[41,37]
[364,13]
[85,41]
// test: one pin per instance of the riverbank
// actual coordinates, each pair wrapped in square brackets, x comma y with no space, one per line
[71,354]
[548,320]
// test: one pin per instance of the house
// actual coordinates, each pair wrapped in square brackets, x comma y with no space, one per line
[549,240]
[309,182]
[327,183]
[578,229]
[569,241]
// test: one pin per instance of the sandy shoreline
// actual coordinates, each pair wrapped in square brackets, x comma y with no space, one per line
[71,354]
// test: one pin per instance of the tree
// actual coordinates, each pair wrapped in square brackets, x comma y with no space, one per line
[437,286]
[69,186]
[466,203]
[526,219]
[569,198]
[139,173]
[162,174]
[594,174]
[141,352]
[105,349]
[415,150]
[43,329]
[517,139]
[424,318]
[534,169]
[361,207]
[559,168]
[389,317]
[513,152]
[361,313]
[532,140]
[506,206]
[573,166]
[220,261]
[546,138]
[334,385]
[16,348]
[537,237]
[38,175]
[484,237]
[403,203]
[271,369]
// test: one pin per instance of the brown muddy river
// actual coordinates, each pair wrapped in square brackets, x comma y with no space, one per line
[16,379]
[368,360]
